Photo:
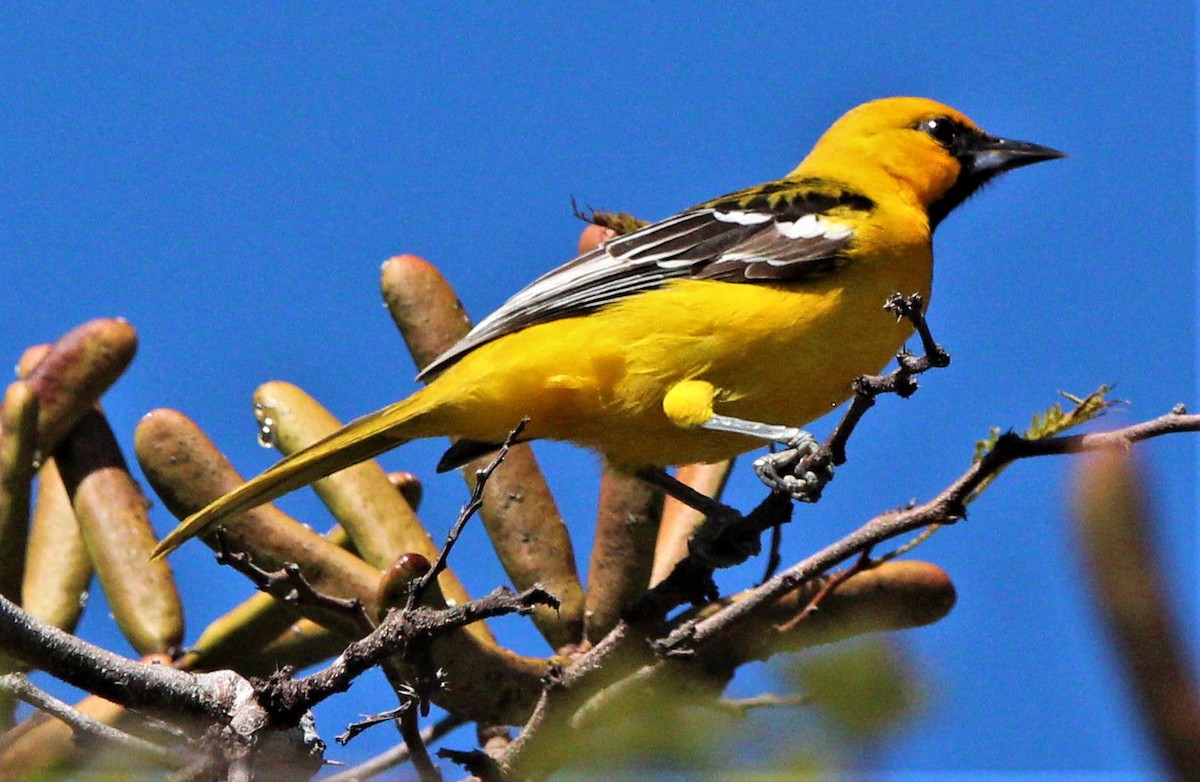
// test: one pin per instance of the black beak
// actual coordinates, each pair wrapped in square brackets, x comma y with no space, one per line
[983,157]
[991,155]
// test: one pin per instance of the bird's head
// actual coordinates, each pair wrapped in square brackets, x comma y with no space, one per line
[931,150]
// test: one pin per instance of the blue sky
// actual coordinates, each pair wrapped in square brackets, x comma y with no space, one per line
[230,179]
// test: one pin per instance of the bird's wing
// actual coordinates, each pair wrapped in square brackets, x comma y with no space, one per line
[771,233]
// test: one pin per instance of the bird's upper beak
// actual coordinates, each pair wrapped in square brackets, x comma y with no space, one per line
[993,154]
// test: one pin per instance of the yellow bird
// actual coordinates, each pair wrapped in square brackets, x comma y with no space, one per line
[695,338]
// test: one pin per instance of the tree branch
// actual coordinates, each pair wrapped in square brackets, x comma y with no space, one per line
[946,508]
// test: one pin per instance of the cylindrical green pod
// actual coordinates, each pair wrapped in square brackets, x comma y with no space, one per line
[57,566]
[112,515]
[18,444]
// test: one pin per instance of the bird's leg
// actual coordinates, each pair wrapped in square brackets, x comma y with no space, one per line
[801,470]
[673,487]
[723,540]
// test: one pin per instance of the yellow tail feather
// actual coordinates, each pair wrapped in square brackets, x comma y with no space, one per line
[356,442]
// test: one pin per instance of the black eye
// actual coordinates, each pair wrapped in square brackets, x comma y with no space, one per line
[944,130]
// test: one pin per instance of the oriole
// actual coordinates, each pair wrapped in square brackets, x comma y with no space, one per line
[670,345]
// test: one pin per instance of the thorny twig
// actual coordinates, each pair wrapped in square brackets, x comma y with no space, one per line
[288,697]
[614,655]
[396,755]
[398,630]
[406,715]
[370,721]
[900,381]
[1048,423]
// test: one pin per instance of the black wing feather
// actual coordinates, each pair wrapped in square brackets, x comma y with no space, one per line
[737,238]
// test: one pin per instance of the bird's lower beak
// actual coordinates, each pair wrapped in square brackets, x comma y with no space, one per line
[1003,154]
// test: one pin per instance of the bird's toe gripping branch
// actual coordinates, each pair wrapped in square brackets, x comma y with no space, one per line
[800,471]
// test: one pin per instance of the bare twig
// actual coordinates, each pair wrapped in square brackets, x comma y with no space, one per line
[82,724]
[478,764]
[289,585]
[406,716]
[623,652]
[900,381]
[470,509]
[370,721]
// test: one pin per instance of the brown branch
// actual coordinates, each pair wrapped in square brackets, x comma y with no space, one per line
[370,721]
[623,652]
[289,585]
[891,597]
[405,715]
[111,676]
[477,763]
[901,381]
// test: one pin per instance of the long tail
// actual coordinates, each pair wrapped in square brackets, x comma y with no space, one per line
[357,441]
